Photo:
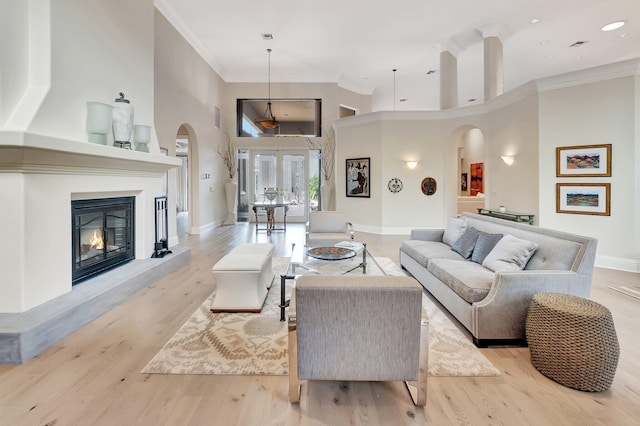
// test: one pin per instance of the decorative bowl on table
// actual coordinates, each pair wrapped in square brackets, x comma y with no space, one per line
[331,253]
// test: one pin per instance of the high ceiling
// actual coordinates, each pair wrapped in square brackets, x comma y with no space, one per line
[358,43]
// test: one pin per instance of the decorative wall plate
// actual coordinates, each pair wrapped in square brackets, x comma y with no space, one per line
[395,185]
[428,186]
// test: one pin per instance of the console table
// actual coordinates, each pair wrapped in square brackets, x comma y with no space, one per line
[270,209]
[516,217]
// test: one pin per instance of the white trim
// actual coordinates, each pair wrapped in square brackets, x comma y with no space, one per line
[627,68]
[618,263]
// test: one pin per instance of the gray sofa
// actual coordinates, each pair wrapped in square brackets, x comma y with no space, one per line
[493,305]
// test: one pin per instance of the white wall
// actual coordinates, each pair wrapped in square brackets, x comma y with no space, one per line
[97,49]
[14,54]
[595,113]
[186,93]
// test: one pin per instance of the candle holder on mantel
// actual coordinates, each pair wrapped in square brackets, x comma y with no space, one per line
[98,122]
[141,137]
[122,122]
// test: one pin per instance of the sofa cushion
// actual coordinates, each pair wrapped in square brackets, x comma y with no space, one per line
[455,229]
[469,280]
[484,244]
[465,244]
[421,251]
[510,254]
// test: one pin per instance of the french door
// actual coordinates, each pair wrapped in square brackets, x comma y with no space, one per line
[286,171]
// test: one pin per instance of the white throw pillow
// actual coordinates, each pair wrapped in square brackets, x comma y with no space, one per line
[455,229]
[510,254]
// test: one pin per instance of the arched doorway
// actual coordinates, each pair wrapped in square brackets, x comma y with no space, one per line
[186,183]
[466,172]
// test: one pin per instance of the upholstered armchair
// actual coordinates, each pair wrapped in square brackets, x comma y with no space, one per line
[358,328]
[326,228]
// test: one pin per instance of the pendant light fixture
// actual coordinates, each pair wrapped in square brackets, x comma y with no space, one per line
[269,122]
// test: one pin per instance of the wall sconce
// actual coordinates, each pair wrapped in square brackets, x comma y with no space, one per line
[508,159]
[412,164]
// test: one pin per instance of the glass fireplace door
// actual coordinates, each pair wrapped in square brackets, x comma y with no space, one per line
[102,235]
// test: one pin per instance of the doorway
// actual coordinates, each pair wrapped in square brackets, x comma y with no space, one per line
[287,171]
[182,181]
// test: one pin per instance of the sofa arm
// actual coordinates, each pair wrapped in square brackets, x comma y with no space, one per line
[427,234]
[503,312]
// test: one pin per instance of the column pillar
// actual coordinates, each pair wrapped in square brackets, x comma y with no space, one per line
[448,80]
[493,68]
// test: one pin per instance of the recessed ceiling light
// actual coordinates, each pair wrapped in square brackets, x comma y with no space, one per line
[613,26]
[543,42]
[534,21]
[267,36]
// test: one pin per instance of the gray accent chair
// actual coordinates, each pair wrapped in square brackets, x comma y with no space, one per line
[358,328]
[327,228]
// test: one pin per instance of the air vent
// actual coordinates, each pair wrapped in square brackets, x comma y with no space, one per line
[578,43]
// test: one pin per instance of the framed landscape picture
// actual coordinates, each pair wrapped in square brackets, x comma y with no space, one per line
[586,160]
[358,177]
[583,198]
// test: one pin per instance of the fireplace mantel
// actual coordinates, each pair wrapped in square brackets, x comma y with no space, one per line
[23,152]
[40,176]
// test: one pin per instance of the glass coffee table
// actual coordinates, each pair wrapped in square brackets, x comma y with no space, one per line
[347,258]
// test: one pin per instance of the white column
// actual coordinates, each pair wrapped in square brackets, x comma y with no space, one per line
[448,80]
[493,68]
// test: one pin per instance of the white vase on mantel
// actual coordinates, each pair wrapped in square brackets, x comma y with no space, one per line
[326,192]
[231,194]
[122,122]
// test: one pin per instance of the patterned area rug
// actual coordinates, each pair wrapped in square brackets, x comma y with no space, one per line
[256,344]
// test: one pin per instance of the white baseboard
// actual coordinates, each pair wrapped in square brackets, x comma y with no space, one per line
[618,263]
[204,228]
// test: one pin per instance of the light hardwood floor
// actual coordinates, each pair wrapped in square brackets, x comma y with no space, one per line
[92,377]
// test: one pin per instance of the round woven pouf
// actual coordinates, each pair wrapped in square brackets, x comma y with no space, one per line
[572,341]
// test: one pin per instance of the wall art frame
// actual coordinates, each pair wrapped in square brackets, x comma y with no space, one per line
[584,198]
[358,177]
[583,161]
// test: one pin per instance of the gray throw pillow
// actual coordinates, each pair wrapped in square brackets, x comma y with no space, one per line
[484,244]
[455,229]
[465,244]
[510,254]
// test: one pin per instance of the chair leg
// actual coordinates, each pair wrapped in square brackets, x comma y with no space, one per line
[294,382]
[418,389]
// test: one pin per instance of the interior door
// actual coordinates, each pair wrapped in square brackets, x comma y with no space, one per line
[286,171]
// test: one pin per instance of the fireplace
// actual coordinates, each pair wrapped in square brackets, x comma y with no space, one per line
[103,235]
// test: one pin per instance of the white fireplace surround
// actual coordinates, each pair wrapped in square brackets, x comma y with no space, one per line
[39,176]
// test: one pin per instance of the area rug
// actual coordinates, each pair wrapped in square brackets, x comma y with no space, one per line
[256,344]
[631,290]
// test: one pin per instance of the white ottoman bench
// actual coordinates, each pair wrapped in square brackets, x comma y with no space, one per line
[258,248]
[242,278]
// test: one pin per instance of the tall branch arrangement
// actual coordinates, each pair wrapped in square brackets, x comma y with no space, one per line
[326,151]
[227,151]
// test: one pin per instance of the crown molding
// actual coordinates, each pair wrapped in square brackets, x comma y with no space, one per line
[597,74]
[183,28]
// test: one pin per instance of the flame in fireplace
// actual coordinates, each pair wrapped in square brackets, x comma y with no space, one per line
[96,240]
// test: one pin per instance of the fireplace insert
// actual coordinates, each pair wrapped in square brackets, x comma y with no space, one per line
[103,235]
